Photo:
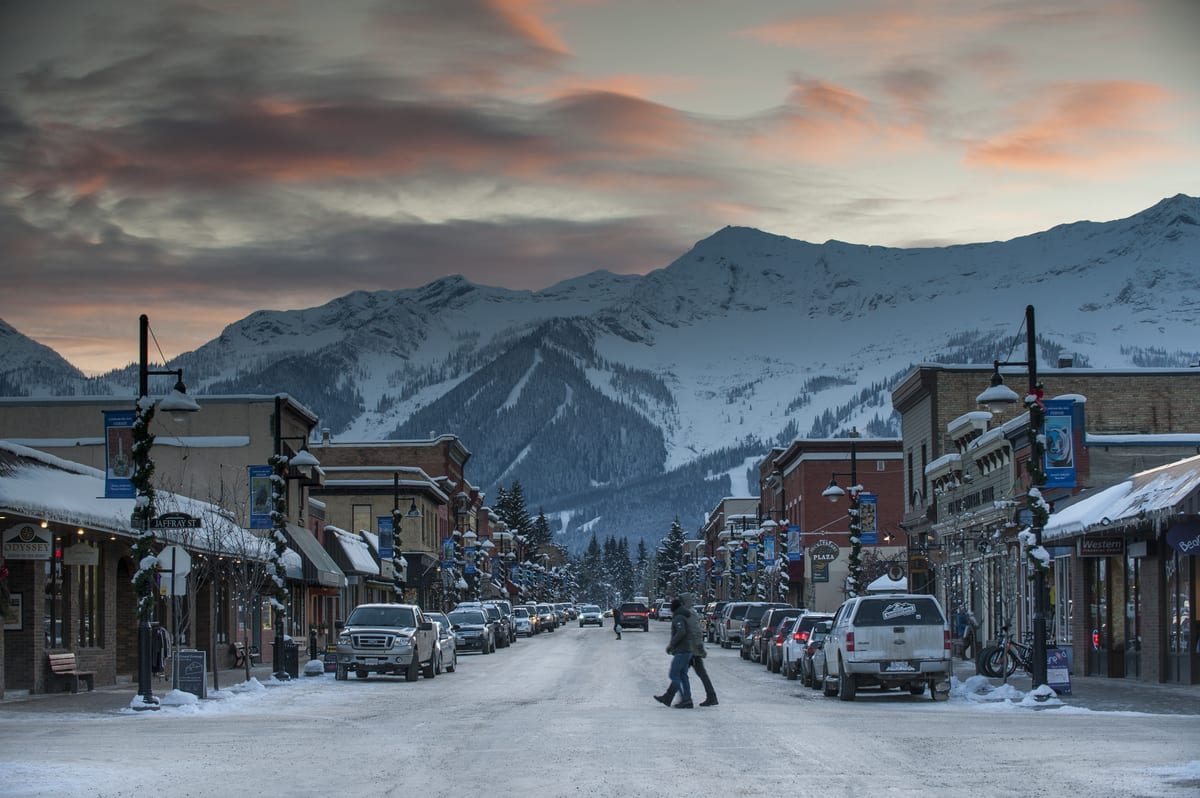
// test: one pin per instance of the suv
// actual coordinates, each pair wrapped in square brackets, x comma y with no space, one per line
[387,638]
[890,640]
[796,637]
[752,621]
[729,627]
[774,627]
[631,614]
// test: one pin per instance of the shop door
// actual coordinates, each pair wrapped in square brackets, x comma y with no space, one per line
[1132,644]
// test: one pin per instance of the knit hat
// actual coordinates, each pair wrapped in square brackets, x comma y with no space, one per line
[675,604]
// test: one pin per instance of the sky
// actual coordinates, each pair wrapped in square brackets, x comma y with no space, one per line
[197,161]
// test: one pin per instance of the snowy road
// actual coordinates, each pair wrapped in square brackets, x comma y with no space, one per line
[571,714]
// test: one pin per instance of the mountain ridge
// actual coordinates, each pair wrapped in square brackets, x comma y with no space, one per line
[603,393]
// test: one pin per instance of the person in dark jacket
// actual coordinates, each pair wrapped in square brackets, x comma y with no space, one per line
[680,649]
[696,635]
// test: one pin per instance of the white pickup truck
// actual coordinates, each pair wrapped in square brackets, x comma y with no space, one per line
[387,638]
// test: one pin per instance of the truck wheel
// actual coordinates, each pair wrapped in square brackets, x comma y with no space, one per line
[341,674]
[789,670]
[361,674]
[828,690]
[413,671]
[847,686]
[430,669]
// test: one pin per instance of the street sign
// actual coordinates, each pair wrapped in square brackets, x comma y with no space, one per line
[175,521]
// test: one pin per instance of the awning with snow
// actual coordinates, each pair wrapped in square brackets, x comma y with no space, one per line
[1147,497]
[318,567]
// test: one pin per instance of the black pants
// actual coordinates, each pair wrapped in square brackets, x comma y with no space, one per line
[698,667]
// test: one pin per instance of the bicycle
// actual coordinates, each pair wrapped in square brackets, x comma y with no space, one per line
[1002,659]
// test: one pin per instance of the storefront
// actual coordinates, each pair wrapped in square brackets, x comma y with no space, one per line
[1133,573]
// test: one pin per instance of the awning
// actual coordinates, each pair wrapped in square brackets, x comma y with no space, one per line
[319,568]
[351,553]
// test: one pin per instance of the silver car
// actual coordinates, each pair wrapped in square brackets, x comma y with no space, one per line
[447,646]
[590,613]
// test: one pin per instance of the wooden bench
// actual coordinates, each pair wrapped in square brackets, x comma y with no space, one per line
[238,649]
[65,665]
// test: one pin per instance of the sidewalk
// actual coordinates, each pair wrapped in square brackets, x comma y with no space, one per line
[114,697]
[1103,694]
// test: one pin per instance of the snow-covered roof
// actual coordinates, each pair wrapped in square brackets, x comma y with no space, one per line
[1159,491]
[356,549]
[40,485]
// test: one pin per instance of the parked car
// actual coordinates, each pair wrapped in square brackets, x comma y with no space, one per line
[472,630]
[712,613]
[547,614]
[729,628]
[633,614]
[447,643]
[796,638]
[773,628]
[506,612]
[500,628]
[524,622]
[752,621]
[816,640]
[387,638]
[889,640]
[589,614]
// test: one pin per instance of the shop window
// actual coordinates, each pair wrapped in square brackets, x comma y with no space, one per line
[88,598]
[54,597]
[360,517]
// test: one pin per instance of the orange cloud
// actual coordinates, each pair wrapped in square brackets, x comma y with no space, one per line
[1078,128]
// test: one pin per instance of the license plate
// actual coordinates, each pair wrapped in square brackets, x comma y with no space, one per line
[372,661]
[899,666]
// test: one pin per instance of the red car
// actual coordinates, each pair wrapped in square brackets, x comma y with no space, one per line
[631,614]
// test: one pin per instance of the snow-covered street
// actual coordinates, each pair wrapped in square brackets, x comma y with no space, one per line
[572,713]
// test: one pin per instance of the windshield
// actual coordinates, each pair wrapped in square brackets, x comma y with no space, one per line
[589,608]
[521,612]
[467,617]
[382,616]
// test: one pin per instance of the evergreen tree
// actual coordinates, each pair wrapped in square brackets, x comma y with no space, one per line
[540,536]
[510,506]
[670,560]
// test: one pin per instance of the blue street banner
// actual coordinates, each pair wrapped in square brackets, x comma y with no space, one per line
[752,557]
[1060,443]
[794,551]
[447,550]
[118,454]
[387,537]
[260,497]
[469,560]
[868,519]
[737,561]
[769,549]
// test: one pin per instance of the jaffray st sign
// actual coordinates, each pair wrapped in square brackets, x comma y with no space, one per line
[175,521]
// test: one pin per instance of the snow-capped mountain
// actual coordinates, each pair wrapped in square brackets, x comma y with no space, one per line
[621,402]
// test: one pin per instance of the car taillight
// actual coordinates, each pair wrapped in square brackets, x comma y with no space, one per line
[802,637]
[796,637]
[779,638]
[946,639]
[849,641]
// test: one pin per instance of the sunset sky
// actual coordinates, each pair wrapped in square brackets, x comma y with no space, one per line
[197,161]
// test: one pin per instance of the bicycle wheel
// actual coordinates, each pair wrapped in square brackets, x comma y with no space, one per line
[1002,662]
[983,662]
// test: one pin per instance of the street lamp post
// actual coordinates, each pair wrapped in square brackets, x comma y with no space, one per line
[280,465]
[176,402]
[995,398]
[835,492]
[397,520]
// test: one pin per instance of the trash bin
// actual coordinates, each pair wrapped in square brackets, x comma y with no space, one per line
[291,658]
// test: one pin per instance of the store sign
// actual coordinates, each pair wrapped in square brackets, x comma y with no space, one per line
[1101,546]
[825,551]
[27,542]
[1185,538]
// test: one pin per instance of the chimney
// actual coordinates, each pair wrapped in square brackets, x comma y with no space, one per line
[1066,362]
[325,436]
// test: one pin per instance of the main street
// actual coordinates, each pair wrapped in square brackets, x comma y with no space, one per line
[572,713]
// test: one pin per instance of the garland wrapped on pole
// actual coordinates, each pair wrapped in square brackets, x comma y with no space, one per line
[279,518]
[145,546]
